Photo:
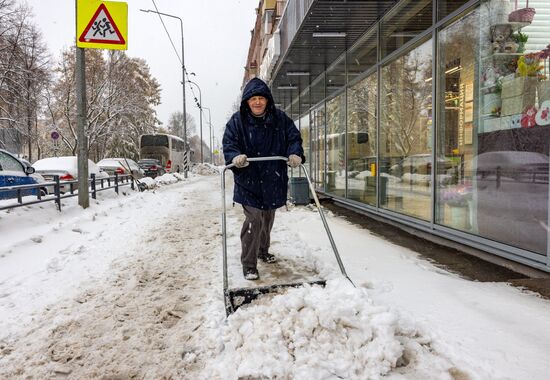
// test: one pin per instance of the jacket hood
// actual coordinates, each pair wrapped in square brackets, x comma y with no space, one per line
[255,87]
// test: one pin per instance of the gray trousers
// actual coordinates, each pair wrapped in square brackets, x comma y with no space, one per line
[255,234]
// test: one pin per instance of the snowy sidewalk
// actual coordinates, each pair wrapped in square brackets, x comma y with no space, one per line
[132,288]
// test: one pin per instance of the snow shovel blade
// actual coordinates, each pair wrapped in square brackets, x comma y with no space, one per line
[235,298]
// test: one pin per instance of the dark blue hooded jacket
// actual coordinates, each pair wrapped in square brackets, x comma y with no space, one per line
[261,185]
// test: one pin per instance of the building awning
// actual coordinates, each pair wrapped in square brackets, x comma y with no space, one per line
[327,29]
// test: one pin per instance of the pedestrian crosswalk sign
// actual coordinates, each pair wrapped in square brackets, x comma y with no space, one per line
[102,24]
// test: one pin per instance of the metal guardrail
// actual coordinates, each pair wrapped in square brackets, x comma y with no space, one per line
[111,182]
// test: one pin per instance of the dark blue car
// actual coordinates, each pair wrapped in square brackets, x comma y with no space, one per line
[14,172]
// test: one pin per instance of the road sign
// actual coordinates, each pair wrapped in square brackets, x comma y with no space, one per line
[54,135]
[102,25]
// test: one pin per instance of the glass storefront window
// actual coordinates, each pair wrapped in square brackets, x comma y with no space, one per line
[336,146]
[304,131]
[457,107]
[336,76]
[405,133]
[317,89]
[363,55]
[318,146]
[489,168]
[305,101]
[361,140]
[511,138]
[446,7]
[405,21]
[295,108]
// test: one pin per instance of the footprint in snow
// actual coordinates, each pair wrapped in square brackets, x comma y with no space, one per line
[79,250]
[54,265]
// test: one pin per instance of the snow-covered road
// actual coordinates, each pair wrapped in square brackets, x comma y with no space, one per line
[132,288]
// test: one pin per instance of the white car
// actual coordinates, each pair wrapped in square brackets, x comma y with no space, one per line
[67,170]
[121,166]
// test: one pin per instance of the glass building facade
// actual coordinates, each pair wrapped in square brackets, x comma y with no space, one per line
[438,117]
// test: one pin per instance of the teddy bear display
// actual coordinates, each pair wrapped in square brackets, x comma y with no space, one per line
[501,39]
[511,46]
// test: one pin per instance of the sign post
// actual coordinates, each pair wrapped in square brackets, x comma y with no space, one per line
[55,135]
[102,25]
[99,25]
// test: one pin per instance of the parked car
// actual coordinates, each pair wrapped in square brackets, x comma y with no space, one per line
[121,166]
[152,167]
[417,168]
[13,172]
[66,168]
[512,198]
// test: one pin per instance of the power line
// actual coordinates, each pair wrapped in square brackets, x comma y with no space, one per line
[186,79]
[167,33]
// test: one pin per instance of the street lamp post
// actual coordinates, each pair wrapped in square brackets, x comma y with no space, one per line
[200,112]
[211,143]
[185,168]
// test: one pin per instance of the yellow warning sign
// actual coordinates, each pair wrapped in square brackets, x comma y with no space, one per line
[102,24]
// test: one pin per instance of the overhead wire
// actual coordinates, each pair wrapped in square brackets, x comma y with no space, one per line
[167,33]
[186,79]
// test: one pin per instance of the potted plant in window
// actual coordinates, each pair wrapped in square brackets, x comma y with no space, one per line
[521,39]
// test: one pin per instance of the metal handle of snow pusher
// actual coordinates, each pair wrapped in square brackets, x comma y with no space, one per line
[316,199]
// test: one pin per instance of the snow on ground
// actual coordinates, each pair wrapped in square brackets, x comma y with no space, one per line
[132,288]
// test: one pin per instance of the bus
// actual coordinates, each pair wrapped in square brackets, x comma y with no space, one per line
[168,149]
[358,148]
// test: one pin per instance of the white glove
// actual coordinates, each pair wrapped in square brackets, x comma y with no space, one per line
[240,161]
[294,161]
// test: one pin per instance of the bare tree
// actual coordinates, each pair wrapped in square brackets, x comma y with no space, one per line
[121,96]
[23,77]
[406,90]
[175,124]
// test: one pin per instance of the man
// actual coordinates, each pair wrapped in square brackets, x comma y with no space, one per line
[260,130]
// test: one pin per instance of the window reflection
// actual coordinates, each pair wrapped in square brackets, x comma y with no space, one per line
[405,133]
[335,145]
[497,185]
[455,139]
[404,22]
[363,55]
[304,131]
[446,7]
[361,141]
[510,169]
[318,146]
[490,164]
[336,76]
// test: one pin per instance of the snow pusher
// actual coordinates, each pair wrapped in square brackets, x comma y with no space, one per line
[236,297]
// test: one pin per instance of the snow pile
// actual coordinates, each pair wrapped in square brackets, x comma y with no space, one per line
[179,176]
[205,169]
[149,182]
[166,179]
[317,333]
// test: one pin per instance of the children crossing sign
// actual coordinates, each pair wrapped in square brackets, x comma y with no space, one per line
[102,24]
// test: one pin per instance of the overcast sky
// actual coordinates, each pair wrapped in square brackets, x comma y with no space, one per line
[216,39]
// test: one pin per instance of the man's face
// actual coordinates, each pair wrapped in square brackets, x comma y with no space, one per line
[257,105]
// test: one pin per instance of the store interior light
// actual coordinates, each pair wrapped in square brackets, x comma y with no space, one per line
[298,73]
[329,34]
[453,69]
[449,71]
